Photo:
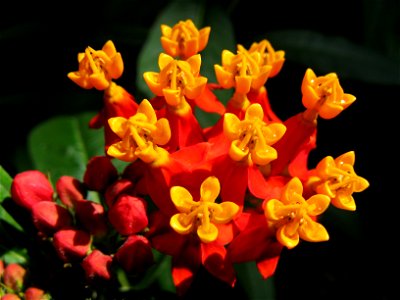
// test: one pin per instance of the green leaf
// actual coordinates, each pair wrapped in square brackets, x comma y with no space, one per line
[254,285]
[325,54]
[15,255]
[63,145]
[5,184]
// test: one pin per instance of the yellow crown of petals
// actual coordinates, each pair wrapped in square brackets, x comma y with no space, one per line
[324,94]
[201,216]
[252,137]
[177,79]
[337,179]
[140,135]
[293,216]
[98,67]
[184,39]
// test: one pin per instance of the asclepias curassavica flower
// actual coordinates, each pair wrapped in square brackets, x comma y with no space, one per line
[240,190]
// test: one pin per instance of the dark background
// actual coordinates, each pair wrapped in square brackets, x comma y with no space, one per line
[39,44]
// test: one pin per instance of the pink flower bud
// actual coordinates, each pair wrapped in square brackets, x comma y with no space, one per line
[33,293]
[135,254]
[97,265]
[92,216]
[128,215]
[70,189]
[30,187]
[14,275]
[100,172]
[71,244]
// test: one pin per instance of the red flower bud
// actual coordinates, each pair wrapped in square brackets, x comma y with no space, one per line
[70,189]
[71,244]
[100,172]
[1,268]
[30,187]
[33,293]
[92,216]
[135,254]
[97,265]
[10,297]
[14,275]
[117,188]
[50,217]
[128,215]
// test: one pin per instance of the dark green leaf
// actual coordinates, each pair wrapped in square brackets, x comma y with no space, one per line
[63,145]
[5,184]
[18,256]
[254,285]
[325,54]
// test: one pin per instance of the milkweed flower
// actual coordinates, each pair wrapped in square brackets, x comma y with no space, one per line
[336,178]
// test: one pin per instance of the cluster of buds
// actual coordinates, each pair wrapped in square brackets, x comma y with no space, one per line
[238,191]
[12,284]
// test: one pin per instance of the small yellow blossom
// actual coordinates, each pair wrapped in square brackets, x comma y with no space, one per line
[252,137]
[269,56]
[324,95]
[293,216]
[201,216]
[98,67]
[184,39]
[337,179]
[140,135]
[242,71]
[177,79]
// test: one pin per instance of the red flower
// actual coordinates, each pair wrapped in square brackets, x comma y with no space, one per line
[31,187]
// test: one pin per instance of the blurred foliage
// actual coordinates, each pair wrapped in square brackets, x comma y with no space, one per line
[359,40]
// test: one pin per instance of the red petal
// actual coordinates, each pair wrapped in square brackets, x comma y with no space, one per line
[92,216]
[97,265]
[100,172]
[50,217]
[69,190]
[209,102]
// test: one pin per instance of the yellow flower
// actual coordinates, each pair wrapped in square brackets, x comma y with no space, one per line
[252,137]
[98,67]
[184,39]
[269,56]
[337,179]
[324,94]
[177,79]
[140,135]
[243,71]
[201,216]
[293,216]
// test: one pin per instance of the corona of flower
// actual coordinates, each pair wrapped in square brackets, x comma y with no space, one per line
[98,67]
[337,179]
[184,39]
[323,94]
[177,79]
[201,215]
[269,56]
[252,137]
[140,135]
[294,216]
[242,71]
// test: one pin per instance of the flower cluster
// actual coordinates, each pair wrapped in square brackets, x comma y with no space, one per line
[237,191]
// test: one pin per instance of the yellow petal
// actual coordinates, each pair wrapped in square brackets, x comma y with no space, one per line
[344,201]
[231,126]
[236,152]
[162,134]
[312,231]
[272,210]
[118,125]
[286,240]
[153,82]
[228,210]
[119,151]
[207,233]
[262,155]
[179,226]
[182,198]
[147,109]
[209,189]
[317,204]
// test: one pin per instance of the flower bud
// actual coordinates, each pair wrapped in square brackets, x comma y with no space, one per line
[10,297]
[33,293]
[30,187]
[100,172]
[91,215]
[117,188]
[135,254]
[97,265]
[71,244]
[14,275]
[50,217]
[70,189]
[128,215]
